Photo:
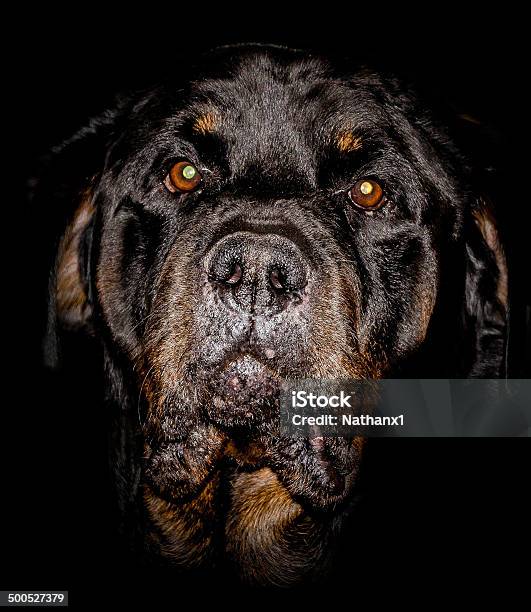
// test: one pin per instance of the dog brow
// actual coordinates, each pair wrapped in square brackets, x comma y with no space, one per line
[346,141]
[206,123]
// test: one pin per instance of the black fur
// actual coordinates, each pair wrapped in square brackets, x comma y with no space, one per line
[414,289]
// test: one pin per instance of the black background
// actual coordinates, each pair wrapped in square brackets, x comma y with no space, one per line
[435,511]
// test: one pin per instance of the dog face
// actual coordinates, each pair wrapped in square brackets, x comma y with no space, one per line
[267,218]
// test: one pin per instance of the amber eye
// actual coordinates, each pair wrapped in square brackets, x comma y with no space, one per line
[183,176]
[367,194]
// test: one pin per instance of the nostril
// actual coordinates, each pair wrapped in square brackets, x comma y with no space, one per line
[277,280]
[287,281]
[229,275]
[236,275]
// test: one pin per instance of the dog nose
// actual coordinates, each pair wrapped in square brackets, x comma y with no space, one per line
[260,273]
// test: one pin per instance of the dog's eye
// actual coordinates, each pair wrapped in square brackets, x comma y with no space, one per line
[183,176]
[367,194]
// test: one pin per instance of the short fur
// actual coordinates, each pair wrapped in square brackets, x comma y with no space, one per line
[417,288]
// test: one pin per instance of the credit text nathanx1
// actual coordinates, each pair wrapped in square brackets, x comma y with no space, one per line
[363,420]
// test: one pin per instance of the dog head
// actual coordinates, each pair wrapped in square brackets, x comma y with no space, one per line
[268,216]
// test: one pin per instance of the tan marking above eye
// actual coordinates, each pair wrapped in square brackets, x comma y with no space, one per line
[367,194]
[206,123]
[183,177]
[347,142]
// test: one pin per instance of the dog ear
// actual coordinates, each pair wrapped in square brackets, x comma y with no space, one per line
[65,191]
[486,308]
[70,288]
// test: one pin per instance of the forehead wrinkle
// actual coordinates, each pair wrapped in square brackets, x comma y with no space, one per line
[266,132]
[269,119]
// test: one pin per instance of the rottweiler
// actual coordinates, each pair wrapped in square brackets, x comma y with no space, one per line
[263,215]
